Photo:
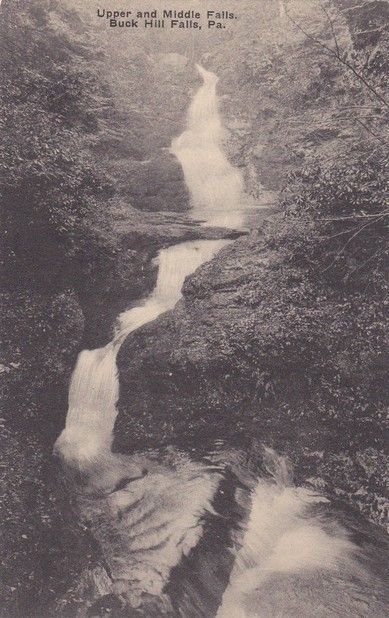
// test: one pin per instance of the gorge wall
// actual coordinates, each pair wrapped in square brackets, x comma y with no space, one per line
[271,340]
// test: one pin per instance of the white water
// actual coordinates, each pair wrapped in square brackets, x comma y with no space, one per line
[296,561]
[288,561]
[215,188]
[94,388]
[154,521]
[280,543]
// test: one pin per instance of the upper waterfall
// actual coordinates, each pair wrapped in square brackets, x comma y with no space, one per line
[215,186]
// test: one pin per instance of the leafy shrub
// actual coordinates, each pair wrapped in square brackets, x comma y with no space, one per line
[336,220]
[52,190]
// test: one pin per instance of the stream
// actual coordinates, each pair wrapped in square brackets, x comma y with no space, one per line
[201,535]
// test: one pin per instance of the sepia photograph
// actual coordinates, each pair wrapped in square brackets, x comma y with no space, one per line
[194,358]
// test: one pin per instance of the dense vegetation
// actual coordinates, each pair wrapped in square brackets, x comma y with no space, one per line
[281,339]
[53,194]
[51,189]
[56,242]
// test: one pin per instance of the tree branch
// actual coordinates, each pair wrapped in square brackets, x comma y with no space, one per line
[350,239]
[384,142]
[377,215]
[377,255]
[336,54]
[332,31]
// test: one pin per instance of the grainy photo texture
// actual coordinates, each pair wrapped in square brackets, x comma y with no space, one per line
[194,301]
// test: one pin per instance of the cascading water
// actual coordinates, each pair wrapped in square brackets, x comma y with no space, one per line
[216,188]
[94,388]
[282,549]
[170,502]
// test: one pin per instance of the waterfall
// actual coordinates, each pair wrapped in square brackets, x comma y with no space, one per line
[284,542]
[297,559]
[215,188]
[94,388]
[286,555]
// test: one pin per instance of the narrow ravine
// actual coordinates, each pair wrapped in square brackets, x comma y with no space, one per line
[216,191]
[150,509]
[261,543]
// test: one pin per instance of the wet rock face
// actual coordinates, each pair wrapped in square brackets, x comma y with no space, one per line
[152,93]
[174,372]
[157,184]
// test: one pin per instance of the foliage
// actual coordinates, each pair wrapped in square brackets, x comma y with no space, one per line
[336,220]
[40,339]
[52,190]
[323,320]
